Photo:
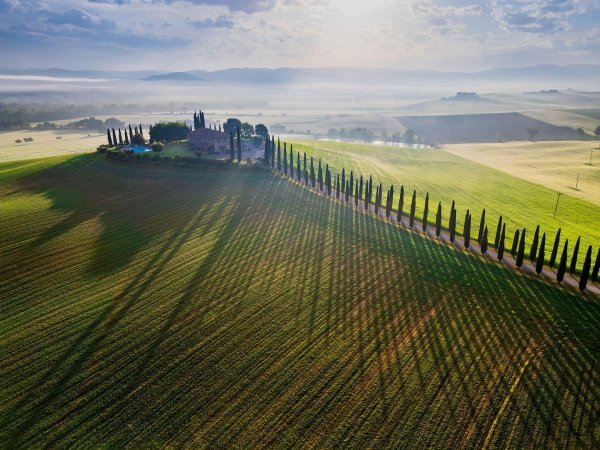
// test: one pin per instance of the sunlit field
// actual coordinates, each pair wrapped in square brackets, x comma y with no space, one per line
[554,165]
[150,306]
[473,186]
[47,143]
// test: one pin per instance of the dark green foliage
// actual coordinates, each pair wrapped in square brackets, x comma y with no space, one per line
[168,132]
[320,177]
[501,243]
[400,205]
[285,164]
[585,271]
[356,194]
[554,249]
[110,142]
[305,171]
[521,251]
[351,182]
[426,212]
[534,245]
[157,147]
[388,202]
[360,188]
[498,231]
[114,136]
[380,195]
[481,225]
[131,132]
[438,220]
[138,139]
[121,137]
[279,155]
[272,152]
[539,264]
[513,249]
[348,190]
[376,200]
[452,222]
[262,130]
[337,186]
[230,126]
[328,180]
[292,161]
[574,257]
[562,265]
[484,241]
[413,207]
[596,267]
[312,173]
[298,168]
[467,229]
[239,144]
[126,137]
[343,180]
[267,157]
[231,147]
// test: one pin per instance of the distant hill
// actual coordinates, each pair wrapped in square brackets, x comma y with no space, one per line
[174,76]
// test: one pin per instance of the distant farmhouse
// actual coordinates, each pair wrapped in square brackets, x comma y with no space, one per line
[207,140]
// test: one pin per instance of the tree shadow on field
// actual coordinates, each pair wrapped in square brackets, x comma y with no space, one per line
[131,205]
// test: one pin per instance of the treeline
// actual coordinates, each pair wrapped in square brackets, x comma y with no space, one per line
[127,137]
[358,190]
[84,124]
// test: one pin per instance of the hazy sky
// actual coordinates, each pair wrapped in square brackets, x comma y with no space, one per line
[213,34]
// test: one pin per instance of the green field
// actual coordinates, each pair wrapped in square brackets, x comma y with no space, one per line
[147,306]
[474,186]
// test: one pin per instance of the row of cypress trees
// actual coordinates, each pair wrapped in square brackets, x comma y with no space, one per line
[348,186]
[130,138]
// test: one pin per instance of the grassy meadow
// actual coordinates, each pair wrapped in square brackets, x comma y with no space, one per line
[473,186]
[47,143]
[147,306]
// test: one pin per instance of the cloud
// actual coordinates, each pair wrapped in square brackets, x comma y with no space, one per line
[80,19]
[219,22]
[536,16]
[247,6]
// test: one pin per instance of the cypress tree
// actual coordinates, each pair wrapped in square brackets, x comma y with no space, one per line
[110,143]
[596,267]
[141,131]
[130,132]
[481,225]
[574,257]
[452,222]
[337,186]
[438,220]
[521,251]
[562,265]
[267,158]
[239,141]
[278,155]
[273,152]
[513,249]
[400,205]
[126,138]
[554,249]
[539,264]
[585,271]
[136,129]
[351,182]
[501,243]
[292,161]
[376,198]
[328,180]
[467,229]
[484,241]
[305,171]
[380,195]
[120,137]
[114,135]
[298,168]
[356,194]
[320,177]
[534,244]
[425,212]
[343,180]
[231,149]
[388,202]
[498,231]
[370,188]
[285,165]
[360,188]
[312,173]
[348,188]
[413,207]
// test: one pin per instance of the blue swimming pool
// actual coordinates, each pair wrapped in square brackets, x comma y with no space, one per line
[138,149]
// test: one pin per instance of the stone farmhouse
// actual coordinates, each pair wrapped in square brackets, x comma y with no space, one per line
[206,140]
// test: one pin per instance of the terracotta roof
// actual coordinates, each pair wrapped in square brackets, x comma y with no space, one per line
[216,134]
